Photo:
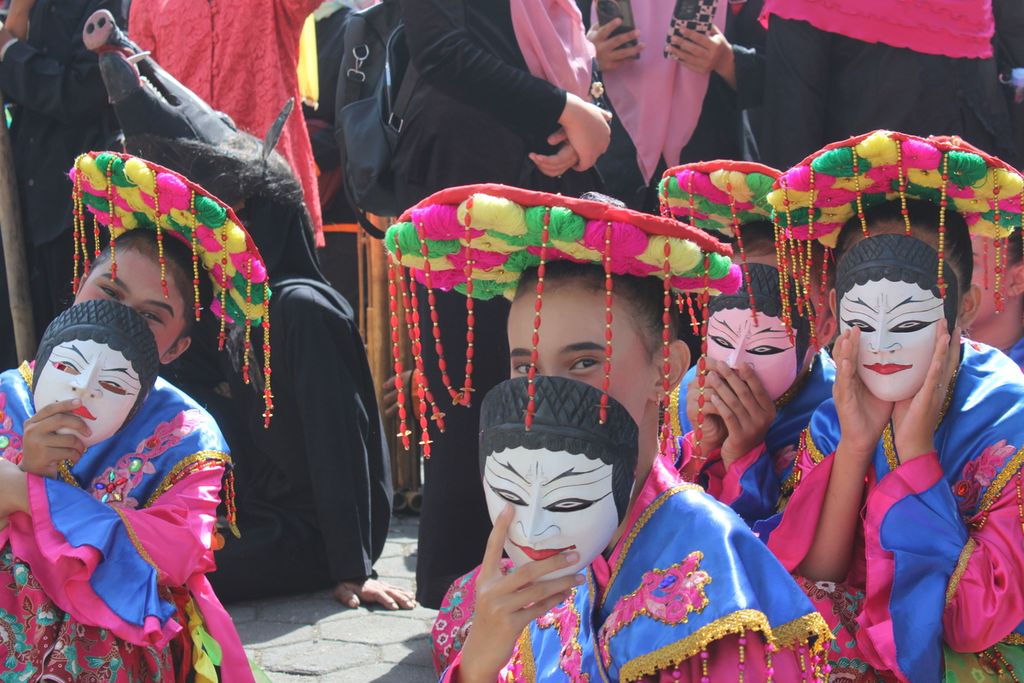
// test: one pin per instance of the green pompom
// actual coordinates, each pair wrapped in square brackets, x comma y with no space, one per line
[839,163]
[239,283]
[409,242]
[486,289]
[103,160]
[145,220]
[98,203]
[520,261]
[928,194]
[117,176]
[184,230]
[669,187]
[209,212]
[1008,220]
[564,225]
[719,266]
[966,168]
[760,185]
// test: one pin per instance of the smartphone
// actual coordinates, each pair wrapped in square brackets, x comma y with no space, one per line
[696,15]
[617,9]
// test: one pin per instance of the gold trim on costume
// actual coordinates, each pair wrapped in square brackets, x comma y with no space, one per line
[1013,639]
[64,471]
[794,389]
[644,518]
[737,622]
[218,458]
[961,567]
[135,539]
[526,656]
[995,489]
[812,448]
[26,373]
[889,447]
[673,412]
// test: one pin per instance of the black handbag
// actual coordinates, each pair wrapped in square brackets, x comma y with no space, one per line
[369,127]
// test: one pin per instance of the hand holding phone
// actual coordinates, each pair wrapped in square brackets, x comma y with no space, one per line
[695,15]
[607,10]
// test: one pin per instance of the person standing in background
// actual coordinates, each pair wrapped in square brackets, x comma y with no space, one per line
[503,97]
[60,110]
[241,57]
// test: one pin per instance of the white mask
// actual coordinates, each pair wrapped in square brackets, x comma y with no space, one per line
[102,378]
[734,338]
[562,501]
[897,322]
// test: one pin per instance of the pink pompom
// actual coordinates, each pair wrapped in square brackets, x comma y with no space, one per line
[1012,204]
[971,218]
[920,154]
[217,311]
[638,268]
[881,179]
[257,269]
[207,239]
[833,197]
[702,186]
[445,280]
[439,222]
[174,194]
[683,213]
[627,241]
[799,179]
[482,260]
[955,191]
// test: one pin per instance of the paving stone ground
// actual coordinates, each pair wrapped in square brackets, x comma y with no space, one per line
[312,638]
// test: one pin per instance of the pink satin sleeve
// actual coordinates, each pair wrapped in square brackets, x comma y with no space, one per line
[984,600]
[792,539]
[724,482]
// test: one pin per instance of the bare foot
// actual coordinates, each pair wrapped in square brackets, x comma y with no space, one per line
[371,591]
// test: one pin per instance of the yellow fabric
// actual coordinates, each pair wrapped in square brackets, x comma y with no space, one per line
[206,652]
[309,75]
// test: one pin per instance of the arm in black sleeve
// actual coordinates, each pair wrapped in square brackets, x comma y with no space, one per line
[335,427]
[66,90]
[1009,16]
[448,58]
[750,75]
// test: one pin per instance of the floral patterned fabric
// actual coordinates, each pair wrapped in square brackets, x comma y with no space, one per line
[40,641]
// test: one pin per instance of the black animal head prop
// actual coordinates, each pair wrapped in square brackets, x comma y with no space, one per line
[887,286]
[569,476]
[102,353]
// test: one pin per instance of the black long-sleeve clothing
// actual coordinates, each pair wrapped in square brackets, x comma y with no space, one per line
[60,110]
[468,50]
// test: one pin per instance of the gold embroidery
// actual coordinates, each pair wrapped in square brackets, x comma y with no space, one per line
[1014,639]
[639,525]
[742,620]
[26,373]
[135,539]
[673,412]
[794,389]
[211,458]
[526,653]
[961,567]
[64,470]
[812,448]
[994,490]
[890,448]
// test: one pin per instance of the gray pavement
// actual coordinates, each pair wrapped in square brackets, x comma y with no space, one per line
[309,638]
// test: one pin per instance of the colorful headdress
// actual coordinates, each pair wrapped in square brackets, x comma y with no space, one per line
[479,239]
[817,197]
[123,193]
[718,196]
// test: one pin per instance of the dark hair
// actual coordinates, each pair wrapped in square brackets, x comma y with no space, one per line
[566,418]
[644,295]
[179,260]
[111,323]
[764,283]
[924,222]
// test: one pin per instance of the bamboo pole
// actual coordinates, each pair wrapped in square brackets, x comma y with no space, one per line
[13,235]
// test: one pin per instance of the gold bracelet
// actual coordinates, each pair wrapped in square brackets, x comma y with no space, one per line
[64,470]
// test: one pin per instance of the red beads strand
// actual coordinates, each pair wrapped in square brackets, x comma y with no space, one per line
[247,345]
[858,193]
[268,394]
[903,187]
[607,260]
[702,364]
[78,223]
[222,335]
[396,350]
[667,447]
[1000,249]
[196,307]
[435,326]
[161,257]
[531,376]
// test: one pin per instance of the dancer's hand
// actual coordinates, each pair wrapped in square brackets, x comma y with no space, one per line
[915,420]
[713,429]
[13,490]
[862,415]
[506,604]
[744,406]
[52,435]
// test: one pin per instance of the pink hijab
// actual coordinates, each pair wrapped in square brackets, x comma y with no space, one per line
[658,99]
[554,43]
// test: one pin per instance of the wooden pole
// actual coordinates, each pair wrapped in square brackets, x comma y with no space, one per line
[13,236]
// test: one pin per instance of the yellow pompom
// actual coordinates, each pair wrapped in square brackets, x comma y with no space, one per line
[133,197]
[988,229]
[777,199]
[830,239]
[417,262]
[855,183]
[495,213]
[87,166]
[491,242]
[139,173]
[128,220]
[836,214]
[975,205]
[1010,184]
[740,190]
[577,251]
[925,178]
[684,257]
[236,237]
[798,199]
[878,148]
[252,311]
[498,274]
[181,217]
